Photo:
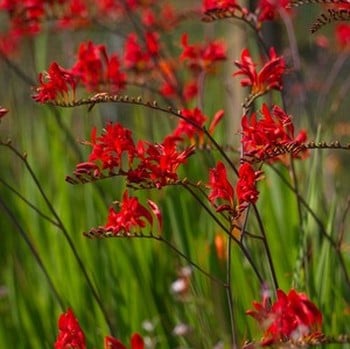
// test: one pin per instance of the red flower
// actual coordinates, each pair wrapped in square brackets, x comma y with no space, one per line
[108,149]
[186,128]
[135,57]
[269,77]
[342,34]
[74,15]
[246,186]
[70,335]
[267,9]
[209,5]
[131,215]
[292,316]
[220,188]
[136,342]
[190,90]
[159,162]
[55,84]
[202,57]
[275,128]
[96,69]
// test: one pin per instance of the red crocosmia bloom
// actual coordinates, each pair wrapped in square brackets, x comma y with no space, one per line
[190,90]
[152,43]
[218,5]
[246,186]
[131,216]
[220,188]
[96,69]
[9,42]
[75,15]
[136,342]
[113,343]
[168,90]
[291,316]
[269,77]
[268,9]
[115,77]
[135,57]
[70,335]
[159,162]
[108,149]
[185,126]
[342,35]
[274,129]
[55,84]
[165,18]
[202,57]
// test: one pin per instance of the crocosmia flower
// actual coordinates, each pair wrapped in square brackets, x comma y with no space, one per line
[136,342]
[267,78]
[218,4]
[274,129]
[291,317]
[268,9]
[201,57]
[220,188]
[342,35]
[70,334]
[246,190]
[131,215]
[55,84]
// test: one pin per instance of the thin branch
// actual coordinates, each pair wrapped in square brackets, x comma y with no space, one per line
[34,252]
[107,98]
[320,225]
[36,209]
[62,227]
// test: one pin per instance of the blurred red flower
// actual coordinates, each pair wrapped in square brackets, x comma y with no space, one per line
[268,9]
[202,57]
[209,5]
[291,316]
[70,334]
[136,342]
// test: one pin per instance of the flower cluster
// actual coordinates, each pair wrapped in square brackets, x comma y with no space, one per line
[201,57]
[93,69]
[137,58]
[71,336]
[222,191]
[292,316]
[261,137]
[148,164]
[55,84]
[132,216]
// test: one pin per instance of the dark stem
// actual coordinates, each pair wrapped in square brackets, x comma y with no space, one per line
[36,209]
[65,233]
[266,245]
[34,252]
